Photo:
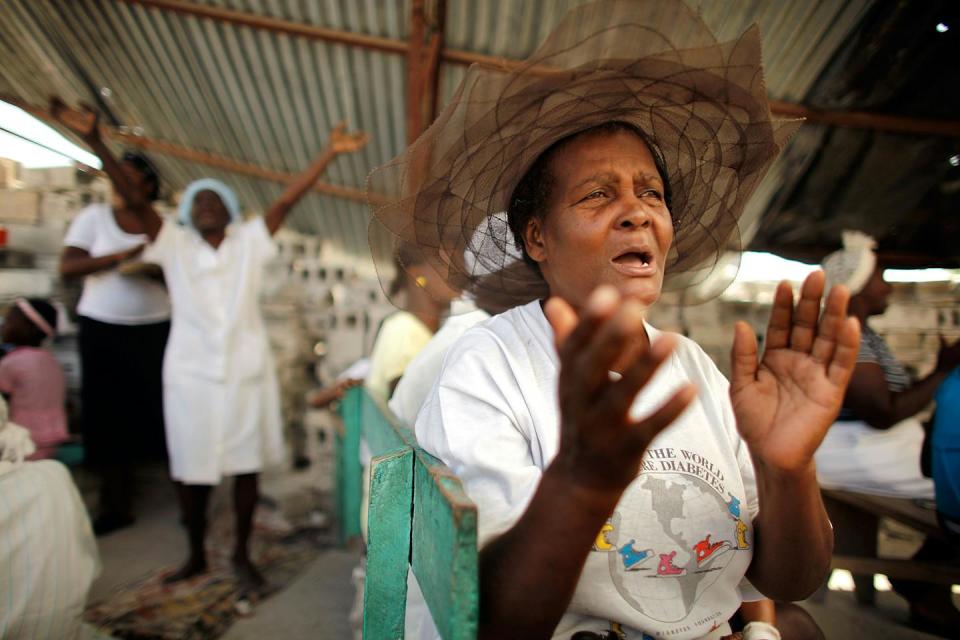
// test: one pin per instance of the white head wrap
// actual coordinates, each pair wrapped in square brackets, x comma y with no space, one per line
[226,194]
[852,265]
[15,443]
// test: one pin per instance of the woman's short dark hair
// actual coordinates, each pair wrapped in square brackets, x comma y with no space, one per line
[532,194]
[149,171]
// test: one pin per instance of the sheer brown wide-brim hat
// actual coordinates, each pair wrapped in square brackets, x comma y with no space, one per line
[650,63]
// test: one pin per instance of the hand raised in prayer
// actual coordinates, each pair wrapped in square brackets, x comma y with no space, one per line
[324,397]
[786,401]
[85,123]
[343,142]
[600,444]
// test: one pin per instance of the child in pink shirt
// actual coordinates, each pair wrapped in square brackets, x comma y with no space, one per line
[30,378]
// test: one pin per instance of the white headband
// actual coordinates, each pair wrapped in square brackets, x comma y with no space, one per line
[34,316]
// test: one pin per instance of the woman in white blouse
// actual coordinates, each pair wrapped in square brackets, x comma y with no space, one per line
[124,323]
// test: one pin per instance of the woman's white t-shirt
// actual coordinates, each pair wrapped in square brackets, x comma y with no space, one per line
[109,296]
[670,561]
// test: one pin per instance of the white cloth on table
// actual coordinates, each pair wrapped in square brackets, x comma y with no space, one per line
[886,462]
[493,418]
[858,457]
[221,399]
[110,296]
[48,556]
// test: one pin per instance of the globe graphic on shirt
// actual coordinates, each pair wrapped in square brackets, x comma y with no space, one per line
[671,537]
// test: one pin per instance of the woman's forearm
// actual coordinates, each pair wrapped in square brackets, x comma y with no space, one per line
[793,538]
[75,266]
[915,399]
[526,588]
[132,197]
[278,211]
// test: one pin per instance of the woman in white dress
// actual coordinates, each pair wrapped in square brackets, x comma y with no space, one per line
[221,399]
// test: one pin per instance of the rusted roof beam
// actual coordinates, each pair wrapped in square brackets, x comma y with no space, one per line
[203,157]
[415,69]
[867,120]
[289,27]
[423,65]
[433,53]
[847,119]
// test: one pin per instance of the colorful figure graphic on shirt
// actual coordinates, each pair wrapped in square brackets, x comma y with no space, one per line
[602,543]
[666,566]
[633,559]
[704,549]
[734,506]
[742,535]
[617,632]
[664,512]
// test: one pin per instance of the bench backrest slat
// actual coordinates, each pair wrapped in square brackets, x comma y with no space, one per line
[419,517]
[388,544]
[445,548]
[382,431]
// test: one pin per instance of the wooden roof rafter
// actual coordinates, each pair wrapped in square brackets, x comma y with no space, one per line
[848,119]
[202,157]
[423,64]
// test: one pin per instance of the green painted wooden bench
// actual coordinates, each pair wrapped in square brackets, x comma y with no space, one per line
[419,518]
[348,471]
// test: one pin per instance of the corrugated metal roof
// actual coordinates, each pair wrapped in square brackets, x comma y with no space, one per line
[270,99]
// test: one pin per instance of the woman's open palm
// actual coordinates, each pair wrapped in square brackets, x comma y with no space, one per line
[83,122]
[786,401]
[343,142]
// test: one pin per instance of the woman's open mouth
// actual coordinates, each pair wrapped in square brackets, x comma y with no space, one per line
[638,263]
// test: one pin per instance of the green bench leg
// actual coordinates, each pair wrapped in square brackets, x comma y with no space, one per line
[388,545]
[349,471]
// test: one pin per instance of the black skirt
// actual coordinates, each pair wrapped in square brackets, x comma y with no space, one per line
[121,369]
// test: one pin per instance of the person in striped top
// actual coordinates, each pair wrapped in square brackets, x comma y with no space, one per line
[874,447]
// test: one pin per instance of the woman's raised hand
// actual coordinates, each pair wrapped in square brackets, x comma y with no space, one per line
[786,401]
[600,444]
[343,142]
[85,123]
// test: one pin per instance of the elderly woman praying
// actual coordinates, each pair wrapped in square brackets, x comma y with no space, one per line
[624,488]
